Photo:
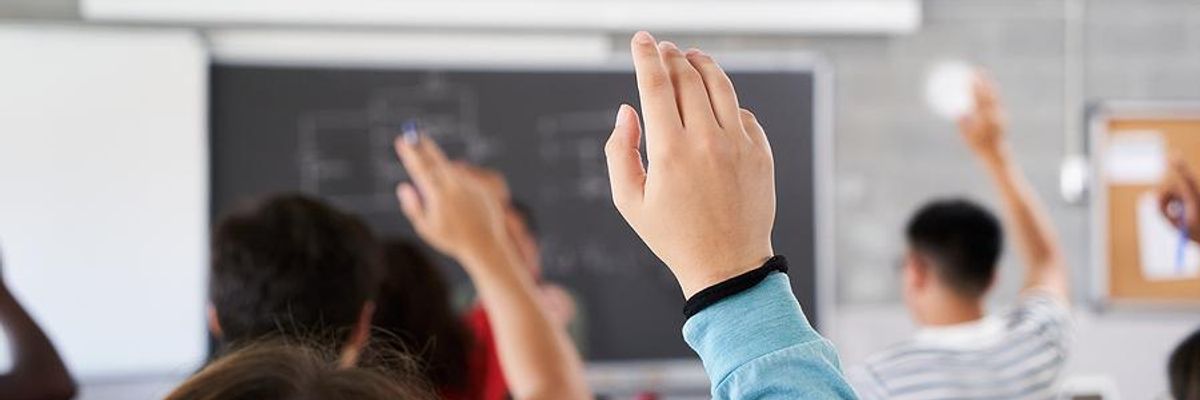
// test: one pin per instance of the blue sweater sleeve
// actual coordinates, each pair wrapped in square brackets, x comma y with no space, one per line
[758,345]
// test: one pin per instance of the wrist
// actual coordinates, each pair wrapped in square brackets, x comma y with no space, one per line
[712,275]
[995,157]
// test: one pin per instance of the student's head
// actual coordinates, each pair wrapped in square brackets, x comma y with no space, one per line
[279,370]
[414,312]
[1184,369]
[290,265]
[953,249]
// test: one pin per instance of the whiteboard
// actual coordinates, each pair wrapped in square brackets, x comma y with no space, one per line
[103,186]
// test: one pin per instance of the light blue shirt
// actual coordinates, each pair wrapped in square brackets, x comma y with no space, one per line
[758,345]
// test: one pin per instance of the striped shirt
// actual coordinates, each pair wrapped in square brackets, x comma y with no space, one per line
[1015,355]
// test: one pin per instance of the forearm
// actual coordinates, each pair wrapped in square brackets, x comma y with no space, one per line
[37,371]
[1029,222]
[757,345]
[538,359]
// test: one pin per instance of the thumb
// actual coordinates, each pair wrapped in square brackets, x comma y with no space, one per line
[625,170]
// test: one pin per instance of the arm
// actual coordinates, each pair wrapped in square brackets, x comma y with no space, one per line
[37,371]
[705,205]
[454,214]
[1037,241]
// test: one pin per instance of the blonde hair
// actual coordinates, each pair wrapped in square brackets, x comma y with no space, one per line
[290,370]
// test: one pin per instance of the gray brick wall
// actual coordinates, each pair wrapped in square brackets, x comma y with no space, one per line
[893,154]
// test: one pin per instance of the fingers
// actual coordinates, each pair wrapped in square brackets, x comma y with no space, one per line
[753,128]
[1191,190]
[694,107]
[720,89]
[410,204]
[489,179]
[984,91]
[424,162]
[625,171]
[655,91]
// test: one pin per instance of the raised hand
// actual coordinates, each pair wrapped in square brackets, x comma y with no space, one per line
[1179,198]
[445,205]
[705,203]
[983,128]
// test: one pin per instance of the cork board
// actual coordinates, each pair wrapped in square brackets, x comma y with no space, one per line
[1126,279]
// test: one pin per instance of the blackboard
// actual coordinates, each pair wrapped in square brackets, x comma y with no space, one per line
[327,131]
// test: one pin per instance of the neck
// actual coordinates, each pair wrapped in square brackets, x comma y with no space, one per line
[949,310]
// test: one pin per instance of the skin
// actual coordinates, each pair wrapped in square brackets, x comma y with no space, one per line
[38,373]
[705,201]
[459,217]
[1180,187]
[555,298]
[983,131]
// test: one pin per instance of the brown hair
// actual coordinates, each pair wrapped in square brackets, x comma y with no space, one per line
[288,370]
[413,313]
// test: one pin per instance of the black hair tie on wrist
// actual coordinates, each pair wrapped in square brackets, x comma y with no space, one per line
[715,293]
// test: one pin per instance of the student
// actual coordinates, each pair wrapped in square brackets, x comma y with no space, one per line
[414,314]
[953,248]
[37,372]
[292,266]
[456,215]
[487,371]
[704,203]
[1179,192]
[288,370]
[1183,369]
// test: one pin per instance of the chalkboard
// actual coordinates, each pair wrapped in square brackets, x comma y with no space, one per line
[328,131]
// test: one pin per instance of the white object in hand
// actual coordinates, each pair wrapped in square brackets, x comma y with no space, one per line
[948,89]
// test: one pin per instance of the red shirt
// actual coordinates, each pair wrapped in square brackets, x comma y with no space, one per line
[486,380]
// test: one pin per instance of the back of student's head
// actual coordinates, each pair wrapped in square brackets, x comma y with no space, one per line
[961,242]
[414,312]
[290,265]
[284,370]
[1184,369]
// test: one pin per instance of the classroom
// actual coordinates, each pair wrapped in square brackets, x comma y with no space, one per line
[621,199]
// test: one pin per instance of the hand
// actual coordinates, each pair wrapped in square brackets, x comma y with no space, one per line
[983,128]
[445,205]
[1179,192]
[558,303]
[490,180]
[705,204]
[515,225]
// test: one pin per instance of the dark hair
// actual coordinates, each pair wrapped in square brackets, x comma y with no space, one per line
[1184,369]
[963,241]
[413,307]
[290,265]
[283,370]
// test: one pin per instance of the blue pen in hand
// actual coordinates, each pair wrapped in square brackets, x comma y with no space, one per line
[1179,211]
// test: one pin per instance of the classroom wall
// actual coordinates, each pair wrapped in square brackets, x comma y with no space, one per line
[893,154]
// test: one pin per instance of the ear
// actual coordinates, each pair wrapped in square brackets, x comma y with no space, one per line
[916,270]
[214,324]
[359,335]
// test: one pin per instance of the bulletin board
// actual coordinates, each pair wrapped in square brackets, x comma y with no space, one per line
[1138,257]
